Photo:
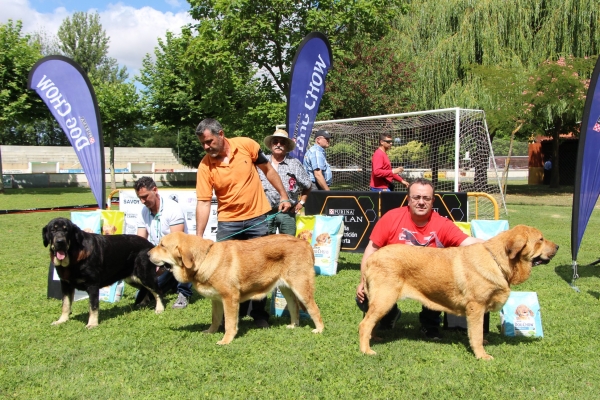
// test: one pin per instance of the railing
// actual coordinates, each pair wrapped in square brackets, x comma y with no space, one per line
[477,195]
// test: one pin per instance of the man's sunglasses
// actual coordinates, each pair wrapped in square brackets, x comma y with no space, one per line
[388,141]
[279,141]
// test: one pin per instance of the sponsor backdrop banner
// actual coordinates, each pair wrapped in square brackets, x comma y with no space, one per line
[587,175]
[70,97]
[307,85]
[130,204]
[361,210]
[453,205]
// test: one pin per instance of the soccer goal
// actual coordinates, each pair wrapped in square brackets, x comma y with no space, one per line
[451,147]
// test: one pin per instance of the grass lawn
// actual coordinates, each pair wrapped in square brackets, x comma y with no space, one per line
[137,354]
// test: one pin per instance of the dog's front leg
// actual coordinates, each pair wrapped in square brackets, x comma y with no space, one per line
[68,292]
[231,307]
[94,293]
[475,314]
[217,316]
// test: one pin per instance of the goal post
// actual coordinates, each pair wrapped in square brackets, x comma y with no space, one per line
[450,146]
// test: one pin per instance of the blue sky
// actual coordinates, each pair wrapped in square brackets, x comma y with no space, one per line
[133,26]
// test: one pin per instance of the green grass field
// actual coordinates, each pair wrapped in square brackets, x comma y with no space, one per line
[137,354]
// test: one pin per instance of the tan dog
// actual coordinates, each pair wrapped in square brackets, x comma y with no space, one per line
[468,280]
[234,271]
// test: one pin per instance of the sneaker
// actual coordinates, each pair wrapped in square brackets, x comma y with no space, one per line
[261,323]
[431,333]
[181,302]
[387,325]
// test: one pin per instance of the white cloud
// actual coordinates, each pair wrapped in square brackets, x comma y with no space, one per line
[133,32]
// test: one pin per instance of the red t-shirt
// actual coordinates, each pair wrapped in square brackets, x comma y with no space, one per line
[381,171]
[396,226]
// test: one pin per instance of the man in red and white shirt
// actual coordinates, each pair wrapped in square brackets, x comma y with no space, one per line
[382,173]
[414,225]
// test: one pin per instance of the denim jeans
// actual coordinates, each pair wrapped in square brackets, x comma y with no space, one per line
[257,228]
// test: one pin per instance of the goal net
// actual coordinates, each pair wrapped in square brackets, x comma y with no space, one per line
[451,147]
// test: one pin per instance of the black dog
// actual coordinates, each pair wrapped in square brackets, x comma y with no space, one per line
[87,261]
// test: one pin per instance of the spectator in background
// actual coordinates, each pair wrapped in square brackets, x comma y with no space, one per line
[315,162]
[382,173]
[158,218]
[296,182]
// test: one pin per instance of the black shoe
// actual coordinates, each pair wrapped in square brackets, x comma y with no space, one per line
[387,325]
[261,323]
[431,333]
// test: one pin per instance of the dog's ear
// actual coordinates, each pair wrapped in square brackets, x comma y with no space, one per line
[187,257]
[45,236]
[75,234]
[515,244]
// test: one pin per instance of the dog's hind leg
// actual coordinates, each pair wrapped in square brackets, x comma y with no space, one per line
[68,293]
[94,293]
[475,313]
[305,295]
[380,303]
[292,305]
[231,307]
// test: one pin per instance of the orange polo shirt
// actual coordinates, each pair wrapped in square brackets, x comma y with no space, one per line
[240,195]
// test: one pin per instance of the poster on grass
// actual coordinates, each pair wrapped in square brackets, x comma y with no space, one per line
[307,85]
[67,92]
[587,174]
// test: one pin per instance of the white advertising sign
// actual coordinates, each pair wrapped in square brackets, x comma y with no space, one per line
[130,204]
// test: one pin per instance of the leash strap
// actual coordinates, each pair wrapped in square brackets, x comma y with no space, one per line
[252,226]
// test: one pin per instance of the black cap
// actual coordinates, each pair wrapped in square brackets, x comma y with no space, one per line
[323,133]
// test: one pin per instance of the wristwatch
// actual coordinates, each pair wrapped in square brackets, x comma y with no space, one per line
[301,202]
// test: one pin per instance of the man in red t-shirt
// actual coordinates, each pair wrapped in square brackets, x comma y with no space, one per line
[414,225]
[382,173]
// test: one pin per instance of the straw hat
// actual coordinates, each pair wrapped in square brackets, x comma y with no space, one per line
[280,133]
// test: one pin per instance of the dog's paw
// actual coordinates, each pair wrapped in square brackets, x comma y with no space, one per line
[291,326]
[159,310]
[91,326]
[223,342]
[59,321]
[317,330]
[486,357]
[370,352]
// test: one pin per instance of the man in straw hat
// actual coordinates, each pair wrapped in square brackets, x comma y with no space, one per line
[295,180]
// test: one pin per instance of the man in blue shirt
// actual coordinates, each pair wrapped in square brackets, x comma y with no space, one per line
[316,164]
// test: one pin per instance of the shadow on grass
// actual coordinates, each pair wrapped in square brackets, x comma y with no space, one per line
[53,191]
[538,190]
[410,330]
[565,271]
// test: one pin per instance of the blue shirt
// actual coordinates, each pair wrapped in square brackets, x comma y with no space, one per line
[294,179]
[315,159]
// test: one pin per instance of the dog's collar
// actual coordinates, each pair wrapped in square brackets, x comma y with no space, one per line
[496,261]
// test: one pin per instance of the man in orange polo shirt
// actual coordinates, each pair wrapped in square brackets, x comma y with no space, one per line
[229,168]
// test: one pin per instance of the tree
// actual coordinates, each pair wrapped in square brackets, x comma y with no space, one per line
[369,80]
[446,39]
[17,56]
[556,98]
[82,38]
[121,112]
